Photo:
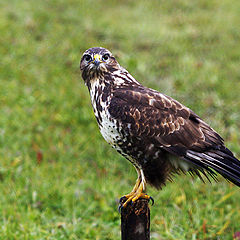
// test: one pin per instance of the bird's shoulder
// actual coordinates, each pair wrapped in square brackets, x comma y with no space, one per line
[147,99]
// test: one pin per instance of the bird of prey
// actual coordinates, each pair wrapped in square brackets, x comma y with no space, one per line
[156,133]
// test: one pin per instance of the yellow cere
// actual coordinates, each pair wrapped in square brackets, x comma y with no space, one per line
[97,56]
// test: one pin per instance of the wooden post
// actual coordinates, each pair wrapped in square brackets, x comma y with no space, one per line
[135,221]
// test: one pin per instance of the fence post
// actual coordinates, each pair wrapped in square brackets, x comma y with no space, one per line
[135,221]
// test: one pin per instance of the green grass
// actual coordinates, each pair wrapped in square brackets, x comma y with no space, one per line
[58,178]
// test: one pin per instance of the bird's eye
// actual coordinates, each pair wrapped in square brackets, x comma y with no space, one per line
[105,57]
[88,58]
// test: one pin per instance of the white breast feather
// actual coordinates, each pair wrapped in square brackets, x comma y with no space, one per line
[107,127]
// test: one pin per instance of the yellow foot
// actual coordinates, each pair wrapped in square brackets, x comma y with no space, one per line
[133,196]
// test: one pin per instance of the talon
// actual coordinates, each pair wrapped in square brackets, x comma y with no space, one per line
[119,208]
[135,194]
[122,199]
[151,199]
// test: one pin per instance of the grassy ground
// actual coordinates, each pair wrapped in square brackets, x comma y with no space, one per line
[58,178]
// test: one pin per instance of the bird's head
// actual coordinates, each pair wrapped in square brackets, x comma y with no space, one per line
[96,61]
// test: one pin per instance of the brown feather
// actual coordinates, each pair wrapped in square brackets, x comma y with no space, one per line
[148,127]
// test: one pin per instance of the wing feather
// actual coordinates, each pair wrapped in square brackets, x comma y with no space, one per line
[175,128]
[164,118]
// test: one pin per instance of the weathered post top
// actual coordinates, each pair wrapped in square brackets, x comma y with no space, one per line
[135,221]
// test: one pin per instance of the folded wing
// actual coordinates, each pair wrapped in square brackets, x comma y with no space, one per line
[175,128]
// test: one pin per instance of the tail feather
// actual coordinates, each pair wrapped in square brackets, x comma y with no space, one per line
[221,160]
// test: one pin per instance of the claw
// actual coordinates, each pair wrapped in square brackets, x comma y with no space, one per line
[151,199]
[119,208]
[134,195]
[122,200]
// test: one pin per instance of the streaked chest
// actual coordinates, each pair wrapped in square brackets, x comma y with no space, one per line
[109,127]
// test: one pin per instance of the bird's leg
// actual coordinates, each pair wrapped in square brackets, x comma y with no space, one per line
[136,186]
[138,191]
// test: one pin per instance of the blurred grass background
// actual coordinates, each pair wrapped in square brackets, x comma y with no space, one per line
[58,177]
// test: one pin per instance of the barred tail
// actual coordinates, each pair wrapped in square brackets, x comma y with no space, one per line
[220,159]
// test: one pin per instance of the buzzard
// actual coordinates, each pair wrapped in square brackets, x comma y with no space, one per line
[156,133]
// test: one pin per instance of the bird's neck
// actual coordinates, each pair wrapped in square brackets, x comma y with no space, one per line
[99,82]
[111,80]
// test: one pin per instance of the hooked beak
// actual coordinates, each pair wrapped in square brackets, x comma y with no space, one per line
[97,60]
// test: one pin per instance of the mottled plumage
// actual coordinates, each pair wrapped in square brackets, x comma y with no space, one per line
[159,135]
